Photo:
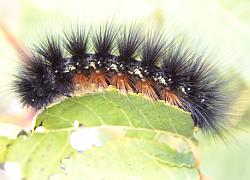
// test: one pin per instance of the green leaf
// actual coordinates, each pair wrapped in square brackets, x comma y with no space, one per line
[129,159]
[39,155]
[4,143]
[112,108]
[142,139]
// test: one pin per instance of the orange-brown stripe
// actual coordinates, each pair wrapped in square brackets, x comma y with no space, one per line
[121,82]
[145,87]
[98,80]
[170,97]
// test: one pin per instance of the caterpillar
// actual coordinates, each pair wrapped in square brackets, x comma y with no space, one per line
[130,60]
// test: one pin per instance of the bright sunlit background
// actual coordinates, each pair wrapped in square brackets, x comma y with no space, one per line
[220,25]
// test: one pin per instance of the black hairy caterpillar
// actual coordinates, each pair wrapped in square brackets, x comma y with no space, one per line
[164,70]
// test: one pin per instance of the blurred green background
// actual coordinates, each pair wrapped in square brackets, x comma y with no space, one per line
[220,25]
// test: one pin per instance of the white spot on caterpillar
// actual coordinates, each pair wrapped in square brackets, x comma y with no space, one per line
[183,89]
[137,71]
[71,67]
[114,66]
[92,64]
[162,80]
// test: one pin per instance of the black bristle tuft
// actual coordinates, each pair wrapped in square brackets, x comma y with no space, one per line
[205,97]
[153,48]
[175,66]
[76,41]
[129,42]
[51,51]
[51,54]
[104,38]
[36,85]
